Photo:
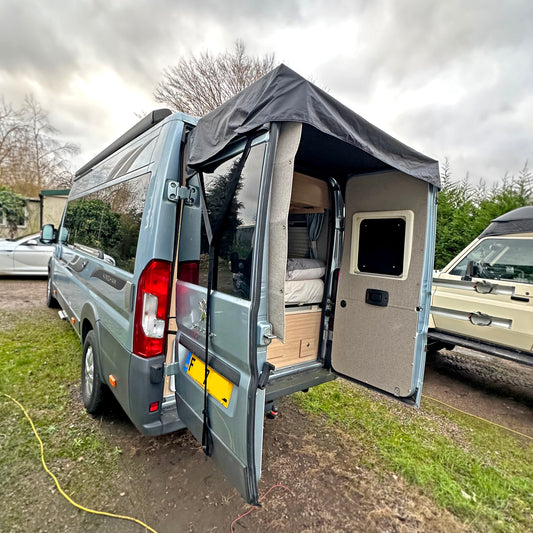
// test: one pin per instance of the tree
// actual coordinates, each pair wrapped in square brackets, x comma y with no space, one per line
[464,211]
[12,207]
[200,84]
[31,155]
[216,198]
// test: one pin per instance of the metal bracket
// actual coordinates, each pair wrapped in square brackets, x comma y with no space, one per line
[265,375]
[176,192]
[172,369]
[264,333]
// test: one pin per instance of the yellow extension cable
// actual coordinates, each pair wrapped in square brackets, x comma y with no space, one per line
[478,417]
[131,519]
[61,491]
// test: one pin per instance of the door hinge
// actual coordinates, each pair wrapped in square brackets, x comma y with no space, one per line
[171,369]
[176,192]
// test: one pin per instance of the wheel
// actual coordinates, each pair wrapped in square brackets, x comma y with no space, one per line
[50,300]
[92,388]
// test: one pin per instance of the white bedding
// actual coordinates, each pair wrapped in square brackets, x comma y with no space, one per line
[308,291]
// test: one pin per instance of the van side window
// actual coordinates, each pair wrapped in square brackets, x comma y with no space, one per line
[106,223]
[233,272]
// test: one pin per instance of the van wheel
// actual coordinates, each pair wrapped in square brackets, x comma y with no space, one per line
[92,389]
[50,300]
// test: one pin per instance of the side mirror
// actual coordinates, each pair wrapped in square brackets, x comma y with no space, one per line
[48,234]
[32,242]
[63,235]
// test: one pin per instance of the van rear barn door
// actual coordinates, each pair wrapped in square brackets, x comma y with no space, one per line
[380,312]
[228,417]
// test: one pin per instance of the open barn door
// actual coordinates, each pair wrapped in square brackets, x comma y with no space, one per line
[382,302]
[219,359]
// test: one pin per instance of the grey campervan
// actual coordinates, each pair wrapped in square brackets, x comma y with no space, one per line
[211,267]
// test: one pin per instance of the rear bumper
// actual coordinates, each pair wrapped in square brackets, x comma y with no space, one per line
[518,356]
[168,421]
[145,388]
[288,381]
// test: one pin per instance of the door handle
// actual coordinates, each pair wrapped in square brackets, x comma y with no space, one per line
[519,298]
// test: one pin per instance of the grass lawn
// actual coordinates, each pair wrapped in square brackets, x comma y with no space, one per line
[479,472]
[40,361]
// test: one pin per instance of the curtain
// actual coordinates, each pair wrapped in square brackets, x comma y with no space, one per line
[314,227]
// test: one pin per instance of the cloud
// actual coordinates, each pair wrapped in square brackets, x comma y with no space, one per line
[450,79]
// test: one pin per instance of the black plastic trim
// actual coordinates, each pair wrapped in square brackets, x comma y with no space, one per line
[264,193]
[517,356]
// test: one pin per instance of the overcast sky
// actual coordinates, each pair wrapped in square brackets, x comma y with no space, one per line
[451,79]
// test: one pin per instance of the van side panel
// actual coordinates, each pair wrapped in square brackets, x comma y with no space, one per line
[99,291]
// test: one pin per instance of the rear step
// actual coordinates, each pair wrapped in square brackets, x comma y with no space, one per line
[62,315]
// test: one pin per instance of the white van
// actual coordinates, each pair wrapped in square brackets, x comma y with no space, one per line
[282,239]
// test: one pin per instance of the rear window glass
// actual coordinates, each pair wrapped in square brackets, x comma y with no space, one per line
[234,254]
[381,246]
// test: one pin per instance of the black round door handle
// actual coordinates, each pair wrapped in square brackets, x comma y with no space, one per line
[343,303]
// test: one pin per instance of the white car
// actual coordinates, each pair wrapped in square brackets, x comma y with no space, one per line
[25,256]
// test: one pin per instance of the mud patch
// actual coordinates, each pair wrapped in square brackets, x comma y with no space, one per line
[494,389]
[22,293]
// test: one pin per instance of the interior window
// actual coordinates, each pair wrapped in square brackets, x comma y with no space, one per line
[381,246]
[381,243]
[235,249]
[505,259]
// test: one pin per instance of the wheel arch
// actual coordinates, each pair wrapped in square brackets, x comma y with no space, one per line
[87,322]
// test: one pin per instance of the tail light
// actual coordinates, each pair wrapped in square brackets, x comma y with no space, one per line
[151,309]
[189,271]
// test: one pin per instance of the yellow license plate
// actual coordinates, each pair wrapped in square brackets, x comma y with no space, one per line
[217,386]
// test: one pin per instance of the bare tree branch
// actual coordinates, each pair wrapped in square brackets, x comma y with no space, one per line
[200,84]
[31,155]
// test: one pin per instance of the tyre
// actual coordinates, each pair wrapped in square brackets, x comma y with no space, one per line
[50,300]
[92,388]
[434,346]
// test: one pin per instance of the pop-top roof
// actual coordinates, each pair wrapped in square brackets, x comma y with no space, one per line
[517,221]
[284,96]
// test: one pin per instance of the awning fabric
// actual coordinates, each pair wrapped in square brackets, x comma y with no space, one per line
[285,96]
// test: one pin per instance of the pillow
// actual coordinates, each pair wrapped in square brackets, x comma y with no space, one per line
[302,269]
